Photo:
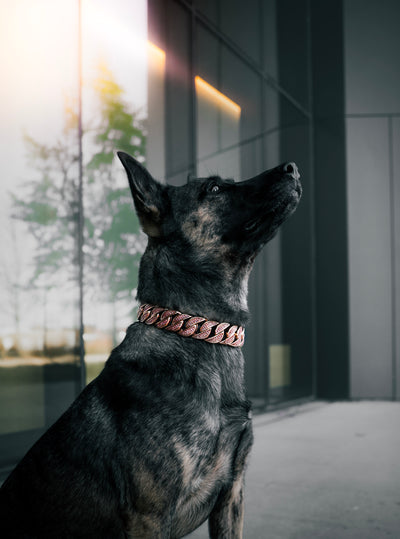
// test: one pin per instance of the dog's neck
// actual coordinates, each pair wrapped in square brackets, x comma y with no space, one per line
[201,289]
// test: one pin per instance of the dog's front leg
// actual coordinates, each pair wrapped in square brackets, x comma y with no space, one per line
[226,519]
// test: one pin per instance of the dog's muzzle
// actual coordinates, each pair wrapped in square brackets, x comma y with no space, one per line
[192,326]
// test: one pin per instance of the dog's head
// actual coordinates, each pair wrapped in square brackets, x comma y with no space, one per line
[212,217]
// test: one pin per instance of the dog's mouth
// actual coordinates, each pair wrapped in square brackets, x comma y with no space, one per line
[273,217]
[265,202]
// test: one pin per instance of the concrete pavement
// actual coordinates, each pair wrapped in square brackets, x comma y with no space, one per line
[324,471]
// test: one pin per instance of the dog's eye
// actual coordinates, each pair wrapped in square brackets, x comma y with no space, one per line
[214,188]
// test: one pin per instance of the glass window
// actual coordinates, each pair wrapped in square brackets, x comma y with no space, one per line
[199,98]
[38,207]
[114,104]
[40,160]
[218,132]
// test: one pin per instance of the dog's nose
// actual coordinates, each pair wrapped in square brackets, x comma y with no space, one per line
[291,168]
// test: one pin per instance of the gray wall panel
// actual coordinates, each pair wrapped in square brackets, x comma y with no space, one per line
[396,255]
[372,44]
[372,41]
[369,258]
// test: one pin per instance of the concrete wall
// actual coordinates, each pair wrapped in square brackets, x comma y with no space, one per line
[372,96]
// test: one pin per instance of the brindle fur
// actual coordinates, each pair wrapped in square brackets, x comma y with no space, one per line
[158,443]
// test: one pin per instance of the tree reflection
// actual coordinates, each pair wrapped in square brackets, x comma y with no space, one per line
[49,204]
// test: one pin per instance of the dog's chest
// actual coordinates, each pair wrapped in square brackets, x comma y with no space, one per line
[206,467]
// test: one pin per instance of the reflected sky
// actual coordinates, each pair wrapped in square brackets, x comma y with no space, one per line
[39,62]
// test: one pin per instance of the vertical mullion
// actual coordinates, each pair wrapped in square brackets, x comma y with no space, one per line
[193,97]
[264,357]
[80,206]
[311,134]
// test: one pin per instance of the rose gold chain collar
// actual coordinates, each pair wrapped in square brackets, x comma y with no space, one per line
[191,326]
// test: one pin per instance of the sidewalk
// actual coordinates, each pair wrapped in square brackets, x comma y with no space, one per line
[322,470]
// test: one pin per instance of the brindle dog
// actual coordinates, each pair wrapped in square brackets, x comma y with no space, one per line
[158,443]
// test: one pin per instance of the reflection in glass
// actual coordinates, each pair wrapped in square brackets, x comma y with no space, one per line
[218,132]
[114,57]
[155,155]
[38,208]
[39,196]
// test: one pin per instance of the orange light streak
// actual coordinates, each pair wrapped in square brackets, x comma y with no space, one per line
[156,52]
[217,97]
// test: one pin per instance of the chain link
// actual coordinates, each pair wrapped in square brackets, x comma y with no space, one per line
[191,326]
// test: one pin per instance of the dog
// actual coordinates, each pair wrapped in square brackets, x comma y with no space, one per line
[158,442]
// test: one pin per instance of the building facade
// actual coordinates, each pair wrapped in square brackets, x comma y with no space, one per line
[199,87]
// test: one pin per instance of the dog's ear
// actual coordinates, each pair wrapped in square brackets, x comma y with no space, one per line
[147,195]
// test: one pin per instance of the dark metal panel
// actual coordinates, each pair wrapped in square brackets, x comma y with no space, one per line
[240,22]
[330,200]
[269,37]
[242,85]
[297,240]
[248,60]
[179,93]
[207,65]
[255,351]
[297,285]
[293,37]
[156,17]
[209,8]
